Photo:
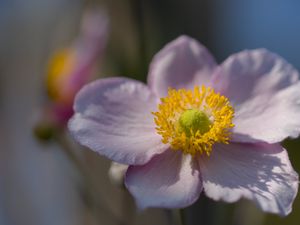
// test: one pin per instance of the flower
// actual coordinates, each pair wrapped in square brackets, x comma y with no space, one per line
[198,126]
[70,68]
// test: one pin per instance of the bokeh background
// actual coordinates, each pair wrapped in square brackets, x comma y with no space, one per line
[39,185]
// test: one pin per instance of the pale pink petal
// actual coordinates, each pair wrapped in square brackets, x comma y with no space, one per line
[87,50]
[180,64]
[265,92]
[169,180]
[269,118]
[262,173]
[113,117]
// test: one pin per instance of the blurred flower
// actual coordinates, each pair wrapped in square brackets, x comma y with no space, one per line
[198,126]
[70,68]
[116,173]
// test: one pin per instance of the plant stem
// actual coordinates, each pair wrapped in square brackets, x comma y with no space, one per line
[90,192]
[182,217]
[138,15]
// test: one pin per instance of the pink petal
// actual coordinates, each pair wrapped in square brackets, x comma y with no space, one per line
[262,173]
[87,50]
[90,45]
[113,117]
[265,92]
[169,180]
[180,64]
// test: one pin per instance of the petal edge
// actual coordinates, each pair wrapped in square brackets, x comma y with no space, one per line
[113,117]
[261,173]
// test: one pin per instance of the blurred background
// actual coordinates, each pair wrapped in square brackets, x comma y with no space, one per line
[40,183]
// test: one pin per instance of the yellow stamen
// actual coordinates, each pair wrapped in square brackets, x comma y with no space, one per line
[59,69]
[192,121]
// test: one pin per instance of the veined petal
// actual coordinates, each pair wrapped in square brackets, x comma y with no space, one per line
[269,118]
[113,117]
[265,92]
[261,173]
[169,180]
[180,64]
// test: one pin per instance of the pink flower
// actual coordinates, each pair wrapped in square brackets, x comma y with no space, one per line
[72,67]
[198,127]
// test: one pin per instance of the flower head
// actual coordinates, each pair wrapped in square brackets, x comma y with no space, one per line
[70,68]
[198,126]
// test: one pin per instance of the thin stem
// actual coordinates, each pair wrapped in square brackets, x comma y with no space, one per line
[91,196]
[182,216]
[62,141]
[138,14]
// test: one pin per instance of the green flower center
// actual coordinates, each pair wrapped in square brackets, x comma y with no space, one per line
[183,124]
[192,121]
